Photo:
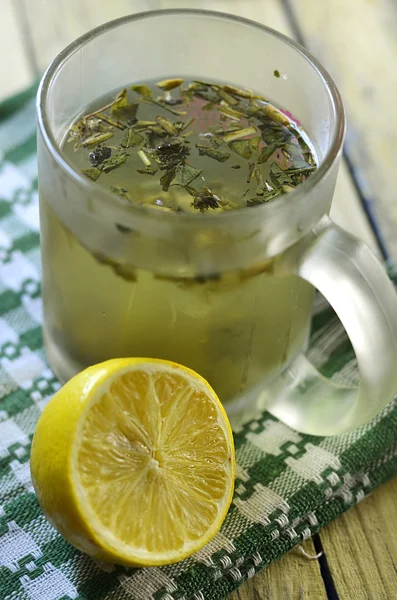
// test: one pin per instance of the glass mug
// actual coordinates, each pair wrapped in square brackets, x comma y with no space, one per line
[227,294]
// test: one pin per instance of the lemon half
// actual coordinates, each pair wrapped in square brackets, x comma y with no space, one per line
[133,461]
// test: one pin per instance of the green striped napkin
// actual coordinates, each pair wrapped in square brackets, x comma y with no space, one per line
[288,485]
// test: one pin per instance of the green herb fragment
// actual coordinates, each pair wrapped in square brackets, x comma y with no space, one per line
[280,177]
[126,271]
[188,123]
[159,131]
[120,191]
[216,141]
[170,153]
[167,178]
[251,167]
[123,228]
[255,201]
[276,115]
[126,113]
[275,133]
[167,125]
[200,84]
[216,129]
[241,147]
[205,200]
[114,162]
[144,158]
[185,174]
[169,84]
[208,96]
[165,106]
[110,121]
[294,153]
[83,128]
[231,113]
[267,152]
[262,188]
[97,138]
[93,173]
[222,93]
[276,73]
[148,170]
[239,134]
[119,101]
[143,90]
[131,139]
[212,153]
[238,92]
[209,106]
[101,153]
[255,141]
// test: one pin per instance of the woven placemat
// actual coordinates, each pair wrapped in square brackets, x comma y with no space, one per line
[288,485]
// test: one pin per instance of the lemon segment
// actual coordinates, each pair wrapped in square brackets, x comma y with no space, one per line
[133,462]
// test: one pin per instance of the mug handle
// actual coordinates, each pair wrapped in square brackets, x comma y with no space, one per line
[354,282]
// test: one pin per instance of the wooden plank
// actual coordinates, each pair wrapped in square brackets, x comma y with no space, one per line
[293,577]
[356,41]
[55,23]
[15,71]
[361,547]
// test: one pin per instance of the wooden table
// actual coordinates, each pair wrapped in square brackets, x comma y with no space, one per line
[356,40]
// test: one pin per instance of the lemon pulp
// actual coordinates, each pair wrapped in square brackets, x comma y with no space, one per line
[148,461]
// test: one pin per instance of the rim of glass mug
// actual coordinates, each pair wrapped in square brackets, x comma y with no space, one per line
[283,204]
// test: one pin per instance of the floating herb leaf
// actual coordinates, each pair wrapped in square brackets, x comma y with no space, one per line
[169,84]
[276,73]
[111,121]
[171,153]
[131,139]
[274,133]
[143,90]
[279,177]
[294,153]
[126,113]
[276,115]
[167,178]
[123,228]
[255,141]
[167,126]
[97,138]
[187,123]
[119,101]
[231,113]
[114,162]
[120,191]
[216,141]
[255,201]
[222,93]
[212,153]
[205,200]
[239,134]
[144,157]
[101,153]
[148,170]
[251,167]
[93,173]
[267,152]
[185,174]
[242,147]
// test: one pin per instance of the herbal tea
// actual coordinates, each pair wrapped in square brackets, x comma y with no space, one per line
[190,148]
